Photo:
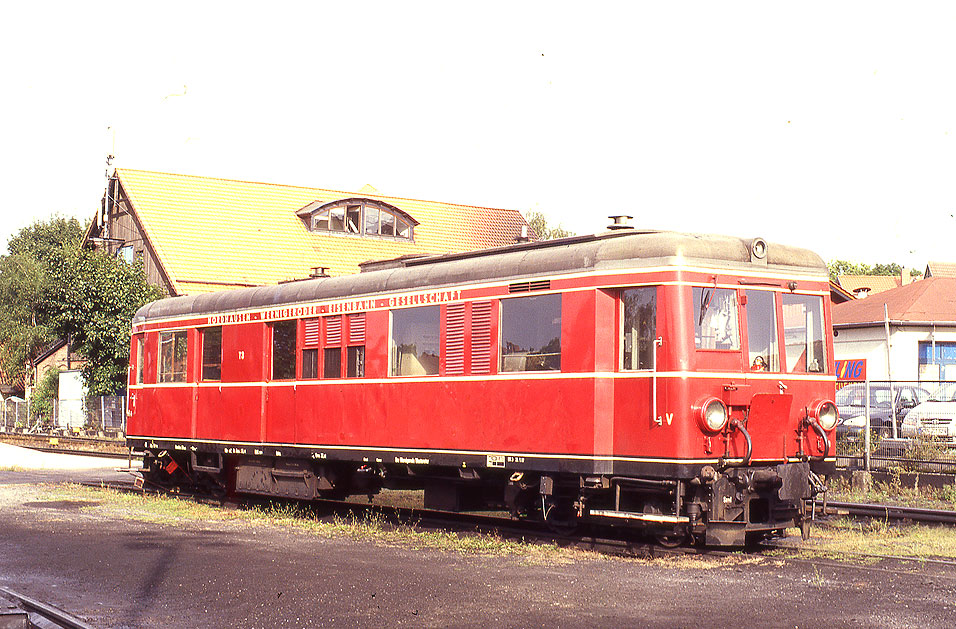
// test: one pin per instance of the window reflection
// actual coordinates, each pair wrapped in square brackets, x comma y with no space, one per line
[640,326]
[803,333]
[531,333]
[762,331]
[715,318]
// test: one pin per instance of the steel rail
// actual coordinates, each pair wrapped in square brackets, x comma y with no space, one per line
[49,612]
[890,512]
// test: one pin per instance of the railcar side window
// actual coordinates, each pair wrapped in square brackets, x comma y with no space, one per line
[172,356]
[640,326]
[355,354]
[803,333]
[283,350]
[715,318]
[762,331]
[415,345]
[212,353]
[332,362]
[310,351]
[356,362]
[140,358]
[531,333]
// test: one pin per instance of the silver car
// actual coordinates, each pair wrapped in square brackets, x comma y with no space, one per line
[936,417]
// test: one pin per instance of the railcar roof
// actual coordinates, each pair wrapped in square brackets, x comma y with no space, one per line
[621,249]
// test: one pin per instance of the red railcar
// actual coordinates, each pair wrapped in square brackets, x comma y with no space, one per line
[673,381]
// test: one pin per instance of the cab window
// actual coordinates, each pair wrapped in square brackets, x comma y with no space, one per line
[715,318]
[803,333]
[762,331]
[640,326]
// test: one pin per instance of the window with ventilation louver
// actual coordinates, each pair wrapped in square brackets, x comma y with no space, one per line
[310,349]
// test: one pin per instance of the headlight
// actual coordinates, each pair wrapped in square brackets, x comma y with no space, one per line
[711,414]
[825,412]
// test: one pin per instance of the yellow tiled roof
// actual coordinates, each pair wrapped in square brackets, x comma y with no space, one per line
[212,234]
[872,283]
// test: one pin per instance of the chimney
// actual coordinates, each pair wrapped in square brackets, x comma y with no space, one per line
[905,277]
[523,237]
[620,221]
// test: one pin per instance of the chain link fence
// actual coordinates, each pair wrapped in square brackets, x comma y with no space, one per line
[94,416]
[912,425]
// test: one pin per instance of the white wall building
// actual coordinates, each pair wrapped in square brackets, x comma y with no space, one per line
[922,331]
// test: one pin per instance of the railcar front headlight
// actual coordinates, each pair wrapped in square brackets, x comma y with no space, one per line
[711,414]
[825,412]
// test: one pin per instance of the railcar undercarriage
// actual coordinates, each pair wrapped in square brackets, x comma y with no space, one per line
[728,507]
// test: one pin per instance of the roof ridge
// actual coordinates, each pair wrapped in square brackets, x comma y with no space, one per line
[378,195]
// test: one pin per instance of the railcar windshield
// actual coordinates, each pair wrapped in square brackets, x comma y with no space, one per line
[715,318]
[803,333]
[762,331]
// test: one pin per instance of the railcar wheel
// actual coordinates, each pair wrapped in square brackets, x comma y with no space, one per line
[672,539]
[559,515]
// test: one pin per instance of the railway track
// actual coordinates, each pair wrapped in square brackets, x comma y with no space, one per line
[606,540]
[887,512]
[49,616]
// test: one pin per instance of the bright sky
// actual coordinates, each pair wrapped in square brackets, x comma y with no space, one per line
[828,125]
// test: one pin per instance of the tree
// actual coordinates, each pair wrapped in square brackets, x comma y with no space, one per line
[97,296]
[27,313]
[843,267]
[539,225]
[50,288]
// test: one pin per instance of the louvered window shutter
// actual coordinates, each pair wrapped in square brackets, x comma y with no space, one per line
[455,343]
[481,337]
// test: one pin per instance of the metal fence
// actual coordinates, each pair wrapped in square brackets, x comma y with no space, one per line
[912,425]
[93,415]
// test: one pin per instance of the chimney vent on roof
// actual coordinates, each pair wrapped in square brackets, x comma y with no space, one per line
[523,236]
[620,221]
[319,271]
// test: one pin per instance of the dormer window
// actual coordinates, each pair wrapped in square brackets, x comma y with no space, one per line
[361,217]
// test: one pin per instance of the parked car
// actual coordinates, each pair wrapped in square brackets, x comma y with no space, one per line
[936,417]
[851,403]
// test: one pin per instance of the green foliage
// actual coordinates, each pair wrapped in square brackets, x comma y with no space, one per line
[97,296]
[844,267]
[47,390]
[50,288]
[539,225]
[40,240]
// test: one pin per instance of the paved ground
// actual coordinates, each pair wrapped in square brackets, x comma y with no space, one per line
[123,573]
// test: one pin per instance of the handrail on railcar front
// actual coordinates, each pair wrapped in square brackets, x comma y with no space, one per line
[654,419]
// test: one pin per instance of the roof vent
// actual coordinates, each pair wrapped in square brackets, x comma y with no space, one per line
[620,221]
[319,271]
[524,287]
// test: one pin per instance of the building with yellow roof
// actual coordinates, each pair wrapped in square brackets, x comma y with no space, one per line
[202,234]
